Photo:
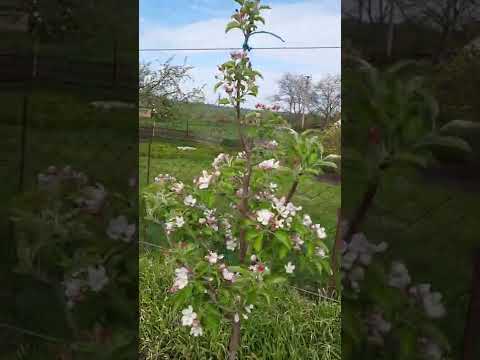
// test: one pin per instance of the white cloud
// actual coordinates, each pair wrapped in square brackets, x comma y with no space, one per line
[300,24]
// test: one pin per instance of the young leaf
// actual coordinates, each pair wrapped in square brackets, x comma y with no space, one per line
[224,101]
[284,239]
[232,25]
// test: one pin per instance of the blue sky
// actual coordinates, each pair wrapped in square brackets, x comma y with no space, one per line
[200,23]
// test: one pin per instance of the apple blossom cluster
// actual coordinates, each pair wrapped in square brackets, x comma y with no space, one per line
[164,178]
[270,164]
[377,327]
[190,319]
[231,242]
[53,177]
[204,180]
[356,257]
[229,77]
[258,268]
[120,229]
[174,223]
[181,279]
[92,278]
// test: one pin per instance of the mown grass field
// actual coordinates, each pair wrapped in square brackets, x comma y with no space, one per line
[293,327]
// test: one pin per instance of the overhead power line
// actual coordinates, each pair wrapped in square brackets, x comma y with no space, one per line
[255,48]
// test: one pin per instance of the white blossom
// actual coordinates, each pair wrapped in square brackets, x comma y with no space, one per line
[269,164]
[179,221]
[93,198]
[378,327]
[297,241]
[264,216]
[320,231]
[190,201]
[181,279]
[196,329]
[213,257]
[120,229]
[399,276]
[228,275]
[307,220]
[430,301]
[188,316]
[97,278]
[177,187]
[289,268]
[220,160]
[73,290]
[204,180]
[320,252]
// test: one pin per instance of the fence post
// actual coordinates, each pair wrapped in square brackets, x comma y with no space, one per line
[152,135]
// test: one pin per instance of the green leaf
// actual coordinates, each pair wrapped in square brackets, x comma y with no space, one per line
[232,25]
[412,159]
[261,19]
[282,252]
[433,142]
[212,317]
[224,101]
[284,239]
[217,85]
[258,243]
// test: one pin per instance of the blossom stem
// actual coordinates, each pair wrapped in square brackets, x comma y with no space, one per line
[293,189]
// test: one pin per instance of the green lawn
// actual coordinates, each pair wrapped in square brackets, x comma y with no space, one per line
[292,328]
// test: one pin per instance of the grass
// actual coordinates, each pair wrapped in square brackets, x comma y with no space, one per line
[276,332]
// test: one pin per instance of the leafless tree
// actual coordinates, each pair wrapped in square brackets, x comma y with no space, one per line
[296,92]
[445,15]
[166,82]
[328,97]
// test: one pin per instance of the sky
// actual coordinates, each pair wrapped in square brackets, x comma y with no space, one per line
[201,24]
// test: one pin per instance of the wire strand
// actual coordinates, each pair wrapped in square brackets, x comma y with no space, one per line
[236,48]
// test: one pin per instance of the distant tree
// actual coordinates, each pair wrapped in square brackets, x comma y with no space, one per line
[161,87]
[447,16]
[296,93]
[328,98]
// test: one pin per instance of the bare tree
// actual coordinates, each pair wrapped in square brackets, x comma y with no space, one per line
[445,15]
[166,83]
[328,97]
[296,92]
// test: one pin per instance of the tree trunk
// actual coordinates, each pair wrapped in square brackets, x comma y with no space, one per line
[361,4]
[391,26]
[234,344]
